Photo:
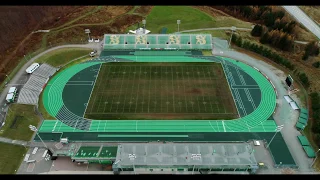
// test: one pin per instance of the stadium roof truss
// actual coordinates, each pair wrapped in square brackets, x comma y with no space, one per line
[157,41]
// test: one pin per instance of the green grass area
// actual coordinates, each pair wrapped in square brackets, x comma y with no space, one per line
[41,107]
[11,157]
[167,16]
[161,91]
[60,57]
[207,53]
[215,33]
[19,129]
[108,152]
[87,151]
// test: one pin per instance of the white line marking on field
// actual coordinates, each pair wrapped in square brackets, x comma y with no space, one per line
[92,89]
[224,128]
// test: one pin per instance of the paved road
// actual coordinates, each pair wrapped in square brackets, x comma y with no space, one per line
[213,29]
[228,28]
[304,19]
[16,142]
[284,113]
[21,77]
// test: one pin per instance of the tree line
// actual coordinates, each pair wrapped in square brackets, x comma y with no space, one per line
[276,29]
[272,55]
[315,106]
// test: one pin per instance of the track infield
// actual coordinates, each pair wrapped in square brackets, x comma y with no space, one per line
[162,91]
[67,95]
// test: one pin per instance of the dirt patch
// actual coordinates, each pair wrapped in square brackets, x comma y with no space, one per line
[75,12]
[105,14]
[143,10]
[211,11]
[125,21]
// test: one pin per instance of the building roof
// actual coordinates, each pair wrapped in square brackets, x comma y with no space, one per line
[303,140]
[310,152]
[304,111]
[170,154]
[9,96]
[300,126]
[302,121]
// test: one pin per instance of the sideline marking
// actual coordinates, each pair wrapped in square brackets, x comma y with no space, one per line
[92,90]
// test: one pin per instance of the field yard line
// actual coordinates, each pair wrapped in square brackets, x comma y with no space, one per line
[125,97]
[134,78]
[184,90]
[105,105]
[137,97]
[167,88]
[149,91]
[92,90]
[115,87]
[155,88]
[234,100]
[224,128]
[196,96]
[174,108]
[121,89]
[208,85]
[189,83]
[205,107]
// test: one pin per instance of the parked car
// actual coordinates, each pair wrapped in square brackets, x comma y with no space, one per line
[90,40]
[96,40]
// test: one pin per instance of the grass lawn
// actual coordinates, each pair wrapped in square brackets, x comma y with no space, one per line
[60,57]
[207,53]
[11,157]
[167,16]
[161,91]
[19,129]
[41,107]
[191,18]
[215,33]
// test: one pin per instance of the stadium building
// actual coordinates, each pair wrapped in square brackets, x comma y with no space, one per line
[68,98]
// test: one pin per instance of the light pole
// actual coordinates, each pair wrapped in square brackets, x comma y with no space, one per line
[233,28]
[178,23]
[34,129]
[25,58]
[315,158]
[144,26]
[278,129]
[8,77]
[87,31]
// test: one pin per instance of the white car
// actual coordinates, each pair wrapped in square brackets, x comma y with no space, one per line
[97,40]
[92,54]
[90,40]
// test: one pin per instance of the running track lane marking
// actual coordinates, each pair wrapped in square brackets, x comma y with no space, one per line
[92,90]
[224,128]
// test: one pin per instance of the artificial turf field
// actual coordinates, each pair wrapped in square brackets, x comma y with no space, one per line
[138,91]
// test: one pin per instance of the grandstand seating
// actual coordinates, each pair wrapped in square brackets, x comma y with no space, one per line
[30,92]
[178,41]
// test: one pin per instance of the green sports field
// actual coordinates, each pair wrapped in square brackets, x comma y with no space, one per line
[139,91]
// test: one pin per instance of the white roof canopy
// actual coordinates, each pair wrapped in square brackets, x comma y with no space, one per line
[9,96]
[294,105]
[12,89]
